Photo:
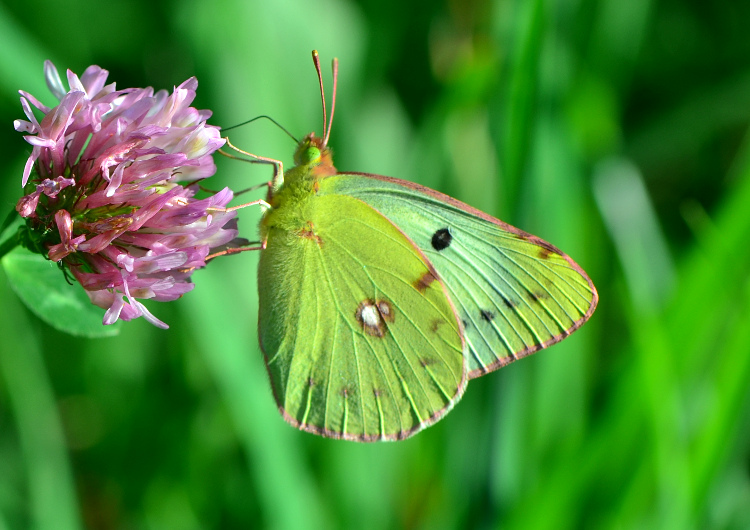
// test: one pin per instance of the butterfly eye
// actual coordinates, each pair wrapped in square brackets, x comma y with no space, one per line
[310,155]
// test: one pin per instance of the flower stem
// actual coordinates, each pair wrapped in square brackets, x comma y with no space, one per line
[13,241]
[8,245]
[12,216]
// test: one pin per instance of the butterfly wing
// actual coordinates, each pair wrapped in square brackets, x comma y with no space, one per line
[514,292]
[360,338]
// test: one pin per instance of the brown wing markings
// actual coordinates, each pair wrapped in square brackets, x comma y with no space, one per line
[424,281]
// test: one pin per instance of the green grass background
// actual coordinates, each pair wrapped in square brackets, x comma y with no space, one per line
[615,129]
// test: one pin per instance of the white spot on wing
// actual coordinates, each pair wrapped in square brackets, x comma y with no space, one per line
[370,316]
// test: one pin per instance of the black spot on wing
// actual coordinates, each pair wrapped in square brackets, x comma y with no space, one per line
[536,296]
[489,316]
[441,239]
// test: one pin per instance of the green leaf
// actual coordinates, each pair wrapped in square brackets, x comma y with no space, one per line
[42,287]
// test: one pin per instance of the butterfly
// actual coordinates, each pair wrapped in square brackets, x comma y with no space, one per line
[380,298]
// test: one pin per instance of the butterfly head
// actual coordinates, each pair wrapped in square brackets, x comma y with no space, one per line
[312,152]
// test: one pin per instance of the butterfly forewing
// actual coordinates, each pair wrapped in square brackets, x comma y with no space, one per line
[369,346]
[514,292]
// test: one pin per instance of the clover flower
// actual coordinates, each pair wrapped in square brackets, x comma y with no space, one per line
[110,189]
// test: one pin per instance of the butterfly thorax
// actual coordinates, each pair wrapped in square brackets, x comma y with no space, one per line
[291,203]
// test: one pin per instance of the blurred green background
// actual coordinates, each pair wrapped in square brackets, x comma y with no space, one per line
[615,129]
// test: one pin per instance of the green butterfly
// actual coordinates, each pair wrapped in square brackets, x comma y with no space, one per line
[380,299]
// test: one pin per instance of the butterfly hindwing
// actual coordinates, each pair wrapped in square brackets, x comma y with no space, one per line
[514,292]
[360,337]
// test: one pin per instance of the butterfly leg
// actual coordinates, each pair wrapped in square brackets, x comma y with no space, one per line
[250,245]
[252,188]
[264,206]
[236,193]
[278,167]
[260,245]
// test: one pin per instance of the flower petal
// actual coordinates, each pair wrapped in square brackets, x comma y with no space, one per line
[53,80]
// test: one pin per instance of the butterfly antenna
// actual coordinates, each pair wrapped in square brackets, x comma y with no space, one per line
[263,117]
[316,61]
[335,69]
